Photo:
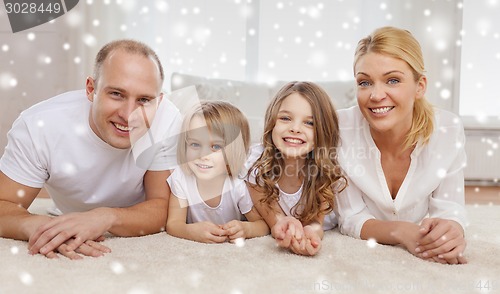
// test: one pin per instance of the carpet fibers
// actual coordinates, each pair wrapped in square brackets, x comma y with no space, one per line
[164,264]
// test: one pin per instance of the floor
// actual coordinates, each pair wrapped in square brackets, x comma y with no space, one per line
[473,195]
[482,195]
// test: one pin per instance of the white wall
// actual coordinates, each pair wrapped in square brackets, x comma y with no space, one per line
[262,40]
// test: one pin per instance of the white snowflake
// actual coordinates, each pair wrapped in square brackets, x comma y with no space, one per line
[26,278]
[21,193]
[14,250]
[371,243]
[117,267]
[441,173]
[31,36]
[239,242]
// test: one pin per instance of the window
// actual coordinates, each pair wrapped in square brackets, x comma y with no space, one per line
[480,68]
[273,40]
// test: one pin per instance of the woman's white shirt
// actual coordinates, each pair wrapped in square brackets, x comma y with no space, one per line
[433,185]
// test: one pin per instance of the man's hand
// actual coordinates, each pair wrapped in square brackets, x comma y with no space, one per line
[88,248]
[71,229]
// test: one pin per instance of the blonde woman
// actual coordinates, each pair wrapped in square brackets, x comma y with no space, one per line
[403,158]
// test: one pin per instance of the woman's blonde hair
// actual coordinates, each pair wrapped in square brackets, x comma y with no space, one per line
[400,44]
[222,119]
[322,173]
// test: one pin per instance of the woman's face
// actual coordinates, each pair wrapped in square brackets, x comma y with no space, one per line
[386,92]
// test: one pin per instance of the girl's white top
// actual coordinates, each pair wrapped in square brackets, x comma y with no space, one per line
[286,201]
[235,199]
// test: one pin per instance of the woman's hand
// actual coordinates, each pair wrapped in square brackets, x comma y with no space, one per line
[442,239]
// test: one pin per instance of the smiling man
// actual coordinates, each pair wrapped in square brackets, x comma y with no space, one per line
[78,145]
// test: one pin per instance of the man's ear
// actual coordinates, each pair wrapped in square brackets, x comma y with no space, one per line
[90,88]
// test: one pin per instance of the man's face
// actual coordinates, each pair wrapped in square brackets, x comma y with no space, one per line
[127,90]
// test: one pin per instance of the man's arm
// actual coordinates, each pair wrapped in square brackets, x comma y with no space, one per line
[148,217]
[144,218]
[15,220]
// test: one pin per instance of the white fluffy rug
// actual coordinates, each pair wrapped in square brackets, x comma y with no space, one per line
[163,264]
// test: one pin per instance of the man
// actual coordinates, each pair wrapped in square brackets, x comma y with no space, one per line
[78,145]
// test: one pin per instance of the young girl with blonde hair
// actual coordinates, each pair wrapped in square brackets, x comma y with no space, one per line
[294,174]
[209,203]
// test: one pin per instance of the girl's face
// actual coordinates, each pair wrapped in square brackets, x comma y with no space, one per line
[386,92]
[204,151]
[293,133]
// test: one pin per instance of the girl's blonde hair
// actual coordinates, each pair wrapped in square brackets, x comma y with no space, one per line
[401,44]
[322,174]
[222,119]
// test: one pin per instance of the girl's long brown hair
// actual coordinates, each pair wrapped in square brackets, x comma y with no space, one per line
[322,175]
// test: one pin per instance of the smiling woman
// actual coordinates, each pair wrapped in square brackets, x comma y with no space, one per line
[416,155]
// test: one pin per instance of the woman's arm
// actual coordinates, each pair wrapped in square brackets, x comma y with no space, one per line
[352,210]
[443,232]
[392,233]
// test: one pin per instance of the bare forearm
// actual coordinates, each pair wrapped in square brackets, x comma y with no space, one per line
[270,213]
[17,223]
[256,228]
[386,232]
[145,218]
[179,230]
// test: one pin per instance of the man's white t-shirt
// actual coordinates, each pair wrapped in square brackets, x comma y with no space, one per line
[52,144]
[234,204]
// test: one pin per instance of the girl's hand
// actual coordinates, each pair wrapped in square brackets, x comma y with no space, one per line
[207,232]
[235,229]
[442,239]
[309,245]
[286,229]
